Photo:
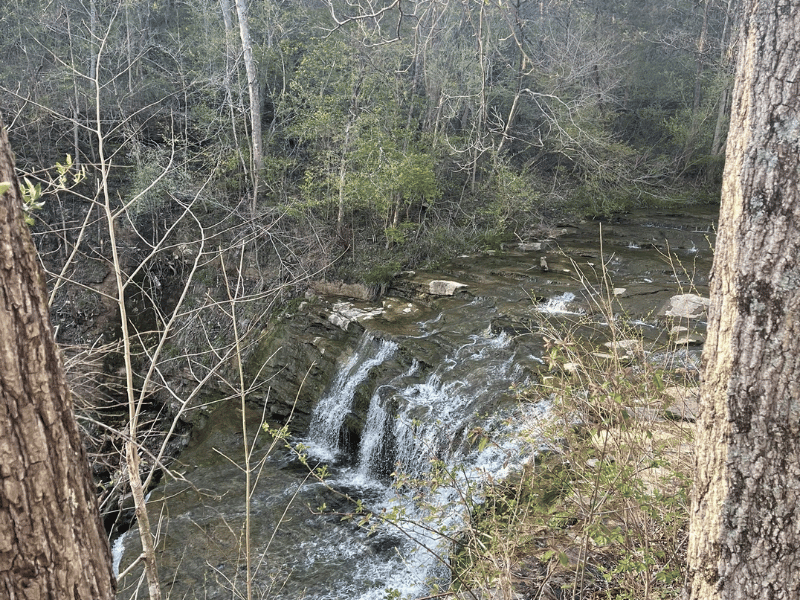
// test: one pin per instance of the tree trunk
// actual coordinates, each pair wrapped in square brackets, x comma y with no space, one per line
[696,122]
[342,176]
[52,542]
[745,519]
[255,96]
[724,96]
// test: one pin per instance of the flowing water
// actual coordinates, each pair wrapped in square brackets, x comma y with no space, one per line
[407,405]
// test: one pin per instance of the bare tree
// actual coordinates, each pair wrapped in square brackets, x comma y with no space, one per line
[254,91]
[744,535]
[53,543]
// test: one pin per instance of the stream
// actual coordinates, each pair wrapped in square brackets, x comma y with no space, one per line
[426,376]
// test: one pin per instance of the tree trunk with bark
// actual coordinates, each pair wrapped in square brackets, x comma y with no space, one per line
[254,90]
[52,542]
[745,519]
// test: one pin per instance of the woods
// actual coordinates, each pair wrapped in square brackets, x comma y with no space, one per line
[593,106]
[223,155]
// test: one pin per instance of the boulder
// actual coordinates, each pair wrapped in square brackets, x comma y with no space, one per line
[338,288]
[344,313]
[683,336]
[442,287]
[626,346]
[529,246]
[685,306]
[684,402]
[688,339]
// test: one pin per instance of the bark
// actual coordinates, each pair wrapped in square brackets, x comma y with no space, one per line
[254,91]
[745,518]
[52,542]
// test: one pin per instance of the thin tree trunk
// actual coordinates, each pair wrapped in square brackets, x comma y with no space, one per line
[255,97]
[342,176]
[52,541]
[694,126]
[722,111]
[724,96]
[227,19]
[745,520]
[93,39]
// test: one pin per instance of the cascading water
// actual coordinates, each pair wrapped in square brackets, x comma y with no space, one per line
[559,305]
[411,395]
[375,456]
[412,421]
[325,429]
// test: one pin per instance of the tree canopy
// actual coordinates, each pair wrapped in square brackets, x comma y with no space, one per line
[368,115]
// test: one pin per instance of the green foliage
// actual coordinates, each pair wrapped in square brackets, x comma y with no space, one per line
[511,199]
[382,274]
[66,177]
[591,122]
[31,193]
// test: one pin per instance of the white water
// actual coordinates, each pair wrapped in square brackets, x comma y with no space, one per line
[559,305]
[331,410]
[117,549]
[412,422]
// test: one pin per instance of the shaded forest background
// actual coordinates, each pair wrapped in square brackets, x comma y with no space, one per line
[414,129]
[191,166]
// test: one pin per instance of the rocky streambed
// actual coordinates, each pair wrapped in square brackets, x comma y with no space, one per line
[374,388]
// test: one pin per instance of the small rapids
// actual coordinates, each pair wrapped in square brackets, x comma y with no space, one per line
[560,305]
[416,418]
[417,423]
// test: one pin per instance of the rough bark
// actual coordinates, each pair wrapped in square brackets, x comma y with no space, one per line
[52,542]
[745,520]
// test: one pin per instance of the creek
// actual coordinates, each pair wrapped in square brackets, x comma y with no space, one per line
[427,374]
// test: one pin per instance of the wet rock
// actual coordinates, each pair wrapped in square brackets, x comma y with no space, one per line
[396,309]
[688,339]
[627,346]
[442,287]
[683,336]
[293,363]
[344,313]
[529,246]
[686,306]
[337,288]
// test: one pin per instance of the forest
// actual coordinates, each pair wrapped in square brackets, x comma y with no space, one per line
[372,136]
[194,170]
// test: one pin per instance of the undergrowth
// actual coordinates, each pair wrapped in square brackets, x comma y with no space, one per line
[602,512]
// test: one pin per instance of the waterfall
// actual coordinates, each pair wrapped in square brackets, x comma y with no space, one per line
[376,454]
[414,418]
[434,417]
[324,436]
